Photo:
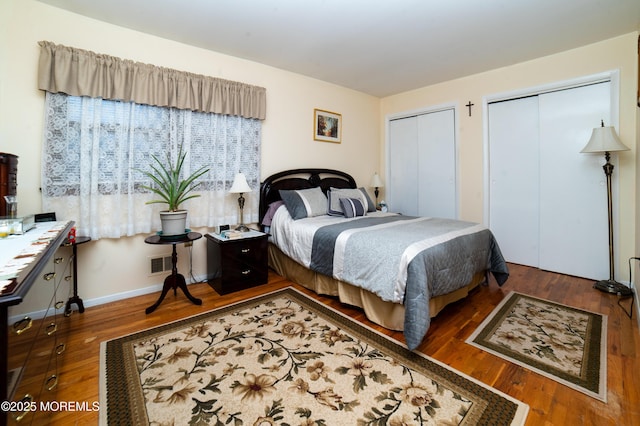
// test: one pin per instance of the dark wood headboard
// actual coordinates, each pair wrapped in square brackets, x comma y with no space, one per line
[301,179]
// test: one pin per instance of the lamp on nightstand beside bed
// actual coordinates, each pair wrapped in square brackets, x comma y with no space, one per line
[240,186]
[376,183]
[605,140]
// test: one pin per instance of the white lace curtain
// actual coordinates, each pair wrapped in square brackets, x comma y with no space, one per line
[92,147]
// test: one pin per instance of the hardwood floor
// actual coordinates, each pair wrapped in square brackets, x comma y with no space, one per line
[550,403]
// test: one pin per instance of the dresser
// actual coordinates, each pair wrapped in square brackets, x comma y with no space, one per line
[236,264]
[34,264]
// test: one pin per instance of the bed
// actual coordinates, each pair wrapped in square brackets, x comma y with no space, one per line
[326,235]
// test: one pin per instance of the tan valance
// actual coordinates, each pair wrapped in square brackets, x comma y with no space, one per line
[80,72]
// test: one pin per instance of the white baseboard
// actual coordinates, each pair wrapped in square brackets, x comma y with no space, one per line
[121,296]
[133,293]
[104,299]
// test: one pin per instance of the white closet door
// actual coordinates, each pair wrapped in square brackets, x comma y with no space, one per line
[437,165]
[547,201]
[403,166]
[422,165]
[573,200]
[514,179]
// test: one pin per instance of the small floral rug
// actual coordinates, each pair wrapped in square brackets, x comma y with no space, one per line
[285,359]
[562,343]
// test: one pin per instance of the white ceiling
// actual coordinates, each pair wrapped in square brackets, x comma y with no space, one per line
[380,47]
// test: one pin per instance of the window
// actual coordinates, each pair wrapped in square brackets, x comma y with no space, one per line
[93,149]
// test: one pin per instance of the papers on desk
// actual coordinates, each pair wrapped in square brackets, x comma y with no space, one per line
[4,284]
[20,251]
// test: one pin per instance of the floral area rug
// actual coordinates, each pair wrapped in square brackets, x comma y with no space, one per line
[562,343]
[285,359]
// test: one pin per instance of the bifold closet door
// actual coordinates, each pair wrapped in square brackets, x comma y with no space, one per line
[437,170]
[573,201]
[547,201]
[422,165]
[515,179]
[403,166]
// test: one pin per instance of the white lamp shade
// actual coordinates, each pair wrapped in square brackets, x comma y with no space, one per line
[240,184]
[604,139]
[376,182]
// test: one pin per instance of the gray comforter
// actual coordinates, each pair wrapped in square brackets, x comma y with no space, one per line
[407,260]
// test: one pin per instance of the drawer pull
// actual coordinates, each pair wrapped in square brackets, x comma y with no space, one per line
[26,401]
[51,382]
[61,348]
[51,328]
[246,250]
[58,260]
[67,278]
[22,325]
[246,272]
[49,276]
[59,304]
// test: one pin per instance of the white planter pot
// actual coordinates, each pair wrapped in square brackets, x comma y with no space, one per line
[173,223]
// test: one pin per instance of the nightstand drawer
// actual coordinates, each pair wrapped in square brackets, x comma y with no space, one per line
[244,275]
[249,251]
[236,264]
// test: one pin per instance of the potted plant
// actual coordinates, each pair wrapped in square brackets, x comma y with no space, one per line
[173,190]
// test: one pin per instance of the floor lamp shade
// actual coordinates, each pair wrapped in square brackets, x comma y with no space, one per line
[605,140]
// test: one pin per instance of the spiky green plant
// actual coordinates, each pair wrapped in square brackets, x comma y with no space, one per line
[172,190]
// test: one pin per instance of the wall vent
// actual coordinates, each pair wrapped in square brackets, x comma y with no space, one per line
[159,264]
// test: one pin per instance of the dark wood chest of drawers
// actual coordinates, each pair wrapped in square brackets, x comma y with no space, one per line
[32,345]
[36,346]
[236,264]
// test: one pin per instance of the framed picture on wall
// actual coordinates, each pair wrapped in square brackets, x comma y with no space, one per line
[327,126]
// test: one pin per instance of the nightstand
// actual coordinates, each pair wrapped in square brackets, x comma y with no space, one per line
[236,264]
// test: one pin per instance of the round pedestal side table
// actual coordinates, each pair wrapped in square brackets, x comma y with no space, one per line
[175,280]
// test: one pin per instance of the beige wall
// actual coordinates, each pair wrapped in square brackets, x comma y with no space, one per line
[115,267]
[615,54]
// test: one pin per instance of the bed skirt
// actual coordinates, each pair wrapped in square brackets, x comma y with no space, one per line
[387,314]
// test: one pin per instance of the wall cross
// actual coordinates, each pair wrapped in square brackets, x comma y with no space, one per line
[469,105]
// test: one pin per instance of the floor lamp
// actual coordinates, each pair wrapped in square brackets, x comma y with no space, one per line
[605,140]
[240,186]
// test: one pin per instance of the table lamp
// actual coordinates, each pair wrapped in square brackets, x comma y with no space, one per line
[240,186]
